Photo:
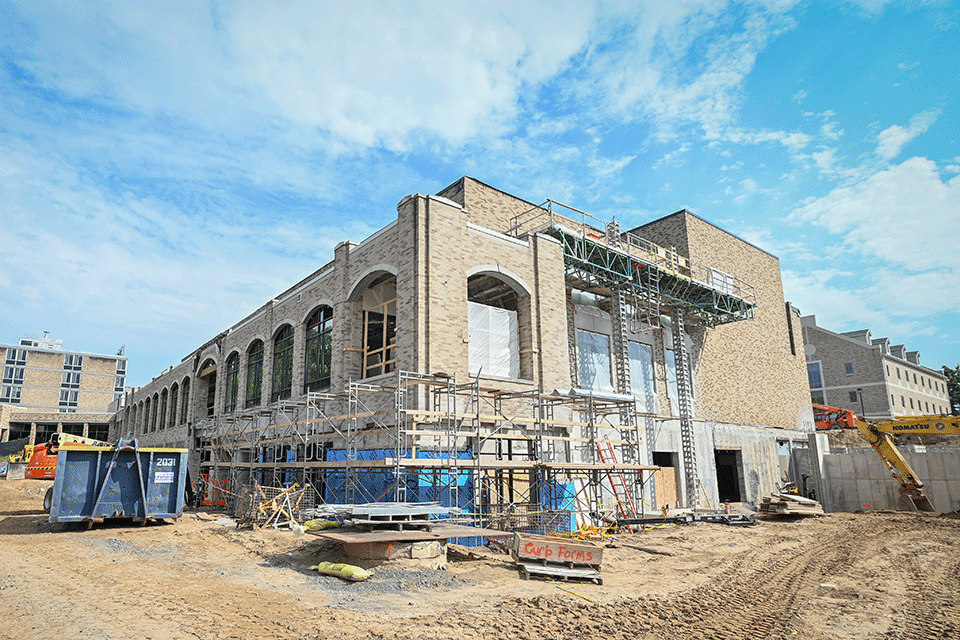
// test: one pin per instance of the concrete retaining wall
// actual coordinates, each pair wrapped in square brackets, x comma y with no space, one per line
[857,479]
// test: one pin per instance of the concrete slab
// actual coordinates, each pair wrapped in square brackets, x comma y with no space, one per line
[864,494]
[846,465]
[878,491]
[919,463]
[849,498]
[938,493]
[935,467]
[951,464]
[876,466]
[861,467]
[953,491]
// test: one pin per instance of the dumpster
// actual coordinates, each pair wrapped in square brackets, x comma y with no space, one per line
[123,481]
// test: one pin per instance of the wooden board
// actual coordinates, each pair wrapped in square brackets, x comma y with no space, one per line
[547,549]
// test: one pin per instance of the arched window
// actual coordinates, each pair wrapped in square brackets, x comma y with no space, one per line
[380,326]
[208,378]
[174,393]
[494,327]
[254,373]
[233,376]
[163,410]
[153,412]
[282,364]
[319,349]
[185,402]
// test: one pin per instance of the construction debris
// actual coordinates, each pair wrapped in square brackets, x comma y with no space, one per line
[790,505]
[717,516]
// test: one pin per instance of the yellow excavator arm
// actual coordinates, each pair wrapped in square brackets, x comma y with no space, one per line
[878,434]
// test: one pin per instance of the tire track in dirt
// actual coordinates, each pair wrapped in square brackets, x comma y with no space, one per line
[760,593]
[931,610]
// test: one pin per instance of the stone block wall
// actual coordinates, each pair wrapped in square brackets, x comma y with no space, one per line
[746,372]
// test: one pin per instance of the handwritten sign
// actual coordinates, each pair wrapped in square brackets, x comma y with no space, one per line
[547,549]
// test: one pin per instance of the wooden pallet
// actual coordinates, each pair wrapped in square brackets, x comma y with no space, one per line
[556,570]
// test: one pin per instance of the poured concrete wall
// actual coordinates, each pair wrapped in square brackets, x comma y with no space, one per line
[857,479]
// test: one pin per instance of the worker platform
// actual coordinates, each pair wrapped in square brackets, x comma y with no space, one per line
[604,262]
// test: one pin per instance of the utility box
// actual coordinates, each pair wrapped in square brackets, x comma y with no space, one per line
[125,481]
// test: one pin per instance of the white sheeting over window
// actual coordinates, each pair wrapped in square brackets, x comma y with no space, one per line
[641,376]
[494,341]
[594,361]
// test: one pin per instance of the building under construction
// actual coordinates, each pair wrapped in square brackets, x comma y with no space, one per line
[528,363]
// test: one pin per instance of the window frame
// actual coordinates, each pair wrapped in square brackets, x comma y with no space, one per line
[231,383]
[282,383]
[254,383]
[318,350]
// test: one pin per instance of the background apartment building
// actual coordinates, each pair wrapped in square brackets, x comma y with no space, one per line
[484,350]
[868,375]
[46,389]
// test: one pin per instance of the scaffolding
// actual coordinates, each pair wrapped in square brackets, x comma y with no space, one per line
[521,459]
[514,460]
[643,281]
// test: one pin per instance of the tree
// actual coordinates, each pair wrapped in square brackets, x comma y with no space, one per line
[953,387]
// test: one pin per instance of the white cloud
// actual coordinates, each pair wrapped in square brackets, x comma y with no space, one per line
[683,65]
[896,215]
[799,96]
[829,130]
[672,157]
[917,308]
[892,139]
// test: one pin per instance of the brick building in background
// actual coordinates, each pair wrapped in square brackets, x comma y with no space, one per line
[508,357]
[46,389]
[869,376]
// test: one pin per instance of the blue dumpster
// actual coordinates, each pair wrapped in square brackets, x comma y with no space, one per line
[124,481]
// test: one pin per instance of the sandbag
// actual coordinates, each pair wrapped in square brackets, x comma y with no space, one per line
[319,524]
[345,571]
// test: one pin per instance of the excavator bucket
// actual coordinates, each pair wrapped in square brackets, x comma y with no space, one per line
[915,500]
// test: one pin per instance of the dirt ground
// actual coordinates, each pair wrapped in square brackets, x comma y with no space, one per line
[841,576]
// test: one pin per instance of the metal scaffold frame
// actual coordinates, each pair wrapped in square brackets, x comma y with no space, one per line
[520,459]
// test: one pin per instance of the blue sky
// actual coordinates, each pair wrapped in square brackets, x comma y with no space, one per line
[167,167]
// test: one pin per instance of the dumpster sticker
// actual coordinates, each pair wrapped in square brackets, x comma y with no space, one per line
[163,477]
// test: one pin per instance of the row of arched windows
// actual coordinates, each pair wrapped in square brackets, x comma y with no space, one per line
[318,356]
[164,409]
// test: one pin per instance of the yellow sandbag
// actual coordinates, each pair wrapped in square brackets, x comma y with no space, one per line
[319,524]
[345,571]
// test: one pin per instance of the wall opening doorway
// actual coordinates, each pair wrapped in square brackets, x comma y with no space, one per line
[729,475]
[665,480]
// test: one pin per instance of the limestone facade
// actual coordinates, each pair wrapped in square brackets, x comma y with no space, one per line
[847,367]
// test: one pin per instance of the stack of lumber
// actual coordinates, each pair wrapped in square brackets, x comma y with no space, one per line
[788,504]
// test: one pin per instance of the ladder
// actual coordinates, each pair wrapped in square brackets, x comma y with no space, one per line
[621,344]
[621,490]
[687,441]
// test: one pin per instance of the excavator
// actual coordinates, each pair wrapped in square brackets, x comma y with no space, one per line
[879,435]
